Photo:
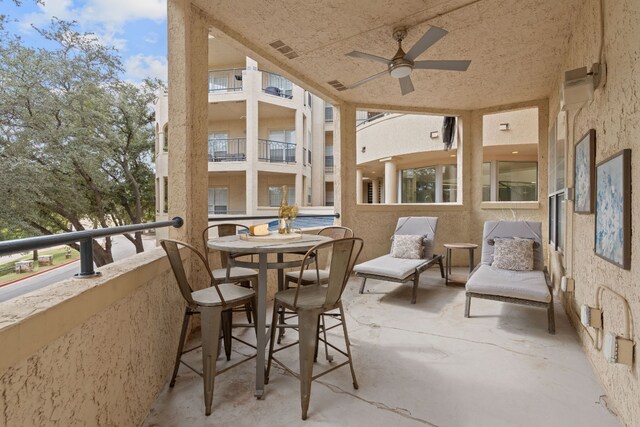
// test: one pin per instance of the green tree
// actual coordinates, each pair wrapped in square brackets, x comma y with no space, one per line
[75,140]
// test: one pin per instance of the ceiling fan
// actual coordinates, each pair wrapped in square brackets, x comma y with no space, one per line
[402,64]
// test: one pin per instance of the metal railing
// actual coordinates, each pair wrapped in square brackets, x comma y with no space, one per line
[362,119]
[223,81]
[328,164]
[275,84]
[85,238]
[276,151]
[219,211]
[228,150]
[255,217]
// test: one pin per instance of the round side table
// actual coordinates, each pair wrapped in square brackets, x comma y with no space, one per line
[458,278]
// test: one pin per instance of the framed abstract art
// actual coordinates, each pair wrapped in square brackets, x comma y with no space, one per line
[613,209]
[584,173]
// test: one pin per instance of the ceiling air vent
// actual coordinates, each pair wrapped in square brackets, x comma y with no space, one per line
[337,85]
[284,49]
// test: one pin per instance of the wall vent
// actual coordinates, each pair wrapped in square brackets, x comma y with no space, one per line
[281,47]
[337,85]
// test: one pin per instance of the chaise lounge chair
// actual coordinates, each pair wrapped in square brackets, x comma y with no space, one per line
[402,270]
[529,287]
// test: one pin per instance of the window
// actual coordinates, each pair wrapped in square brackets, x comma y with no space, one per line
[486,182]
[517,181]
[557,200]
[328,113]
[275,196]
[510,156]
[431,184]
[165,142]
[218,82]
[218,200]
[218,146]
[165,192]
[283,152]
[157,192]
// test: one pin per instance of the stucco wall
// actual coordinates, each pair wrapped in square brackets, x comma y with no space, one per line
[397,134]
[523,127]
[90,352]
[613,114]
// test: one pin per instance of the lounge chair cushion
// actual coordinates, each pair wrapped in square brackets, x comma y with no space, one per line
[528,285]
[386,265]
[513,254]
[407,246]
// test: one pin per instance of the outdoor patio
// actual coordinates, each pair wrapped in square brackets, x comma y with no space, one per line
[416,364]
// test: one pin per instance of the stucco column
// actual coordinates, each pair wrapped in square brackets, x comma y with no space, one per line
[317,154]
[344,155]
[390,182]
[187,168]
[358,185]
[375,188]
[251,82]
[300,153]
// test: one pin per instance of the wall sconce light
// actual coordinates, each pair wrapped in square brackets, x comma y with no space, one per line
[364,149]
[567,284]
[591,316]
[579,84]
[434,134]
[504,126]
[618,349]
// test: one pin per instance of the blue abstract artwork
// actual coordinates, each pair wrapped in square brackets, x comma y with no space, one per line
[583,202]
[612,234]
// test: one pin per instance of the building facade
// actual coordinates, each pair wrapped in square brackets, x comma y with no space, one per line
[264,132]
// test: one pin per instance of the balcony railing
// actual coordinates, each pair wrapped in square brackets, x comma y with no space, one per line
[85,238]
[275,84]
[276,151]
[228,150]
[223,81]
[222,210]
[328,164]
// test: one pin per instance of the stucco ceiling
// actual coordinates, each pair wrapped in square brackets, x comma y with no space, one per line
[516,46]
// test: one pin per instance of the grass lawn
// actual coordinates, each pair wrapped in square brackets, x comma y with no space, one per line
[58,258]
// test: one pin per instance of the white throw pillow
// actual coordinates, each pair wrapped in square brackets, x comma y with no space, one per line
[407,246]
[513,254]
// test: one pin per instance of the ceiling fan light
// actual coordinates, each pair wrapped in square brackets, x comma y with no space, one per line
[400,71]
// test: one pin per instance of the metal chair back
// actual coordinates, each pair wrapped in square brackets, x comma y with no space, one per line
[345,253]
[172,248]
[335,232]
[224,230]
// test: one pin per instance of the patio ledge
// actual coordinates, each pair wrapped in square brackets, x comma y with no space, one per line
[398,207]
[32,321]
[510,205]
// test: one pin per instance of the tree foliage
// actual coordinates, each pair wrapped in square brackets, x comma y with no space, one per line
[75,140]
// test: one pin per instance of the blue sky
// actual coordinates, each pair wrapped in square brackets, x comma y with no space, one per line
[137,28]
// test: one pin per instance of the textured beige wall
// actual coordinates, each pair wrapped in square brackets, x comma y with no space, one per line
[93,351]
[236,184]
[523,127]
[266,180]
[614,114]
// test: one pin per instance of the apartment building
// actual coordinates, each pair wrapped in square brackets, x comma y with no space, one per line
[264,132]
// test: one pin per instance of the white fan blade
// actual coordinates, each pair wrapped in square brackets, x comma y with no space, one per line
[449,65]
[361,82]
[406,85]
[356,54]
[428,39]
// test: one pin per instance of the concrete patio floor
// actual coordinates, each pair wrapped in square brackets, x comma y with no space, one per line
[422,364]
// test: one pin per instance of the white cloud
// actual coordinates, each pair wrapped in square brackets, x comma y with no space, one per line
[104,17]
[138,67]
[151,38]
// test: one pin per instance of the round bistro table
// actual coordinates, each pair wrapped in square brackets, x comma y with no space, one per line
[448,277]
[236,245]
